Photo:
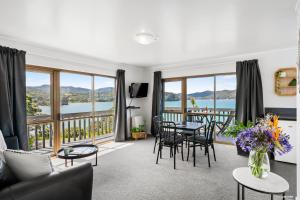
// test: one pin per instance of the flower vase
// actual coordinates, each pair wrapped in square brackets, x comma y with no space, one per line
[259,164]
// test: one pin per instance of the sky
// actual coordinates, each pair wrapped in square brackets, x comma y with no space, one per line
[224,82]
[68,79]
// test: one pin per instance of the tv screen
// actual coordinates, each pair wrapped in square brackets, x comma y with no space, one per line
[138,90]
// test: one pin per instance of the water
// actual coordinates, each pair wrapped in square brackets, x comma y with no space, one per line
[80,107]
[220,103]
[103,106]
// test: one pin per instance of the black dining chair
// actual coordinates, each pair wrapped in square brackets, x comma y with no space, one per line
[205,141]
[156,123]
[168,137]
[222,126]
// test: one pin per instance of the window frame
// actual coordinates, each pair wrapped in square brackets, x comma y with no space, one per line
[55,101]
[183,80]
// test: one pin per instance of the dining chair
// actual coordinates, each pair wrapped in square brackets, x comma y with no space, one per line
[198,119]
[222,126]
[168,137]
[205,141]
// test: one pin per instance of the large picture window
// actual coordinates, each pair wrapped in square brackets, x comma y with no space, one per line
[64,107]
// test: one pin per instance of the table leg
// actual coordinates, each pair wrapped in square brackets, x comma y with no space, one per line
[66,163]
[272,197]
[238,191]
[194,148]
[71,162]
[243,192]
[96,159]
[283,196]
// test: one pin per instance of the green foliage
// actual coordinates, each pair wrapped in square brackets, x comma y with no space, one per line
[138,129]
[293,82]
[234,130]
[194,102]
[32,108]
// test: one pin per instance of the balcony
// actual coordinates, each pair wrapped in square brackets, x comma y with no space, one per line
[203,115]
[74,128]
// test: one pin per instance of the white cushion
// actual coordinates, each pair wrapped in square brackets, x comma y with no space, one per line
[27,166]
[3,146]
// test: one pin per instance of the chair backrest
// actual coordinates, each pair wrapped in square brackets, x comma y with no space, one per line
[167,131]
[226,123]
[210,131]
[156,122]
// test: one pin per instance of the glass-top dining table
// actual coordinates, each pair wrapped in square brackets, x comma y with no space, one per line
[192,127]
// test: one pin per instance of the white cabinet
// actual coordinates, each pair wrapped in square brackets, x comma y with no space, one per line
[290,128]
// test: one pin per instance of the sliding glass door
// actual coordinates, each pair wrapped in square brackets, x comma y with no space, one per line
[39,109]
[202,98]
[65,107]
[172,100]
[104,97]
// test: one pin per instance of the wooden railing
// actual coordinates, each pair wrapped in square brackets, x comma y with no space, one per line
[195,114]
[74,127]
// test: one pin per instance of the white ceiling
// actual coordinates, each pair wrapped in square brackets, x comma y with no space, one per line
[188,29]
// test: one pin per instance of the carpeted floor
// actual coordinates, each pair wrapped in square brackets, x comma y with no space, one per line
[130,173]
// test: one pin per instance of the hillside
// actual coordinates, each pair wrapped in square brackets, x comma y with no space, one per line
[69,94]
[222,94]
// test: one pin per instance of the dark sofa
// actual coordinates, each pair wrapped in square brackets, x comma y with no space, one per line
[74,184]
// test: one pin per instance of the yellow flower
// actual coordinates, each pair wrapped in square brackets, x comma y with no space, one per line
[275,121]
[276,133]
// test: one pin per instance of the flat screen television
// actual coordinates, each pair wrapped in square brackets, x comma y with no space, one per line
[138,90]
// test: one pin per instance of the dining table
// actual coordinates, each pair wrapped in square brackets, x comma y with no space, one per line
[193,127]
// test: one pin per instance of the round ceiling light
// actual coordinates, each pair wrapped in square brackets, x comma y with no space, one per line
[145,38]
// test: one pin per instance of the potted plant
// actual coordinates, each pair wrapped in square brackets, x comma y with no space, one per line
[265,137]
[138,132]
[234,130]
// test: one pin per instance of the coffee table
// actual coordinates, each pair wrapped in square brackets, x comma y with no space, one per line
[79,151]
[273,184]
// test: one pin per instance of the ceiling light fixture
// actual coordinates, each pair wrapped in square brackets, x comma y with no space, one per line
[145,38]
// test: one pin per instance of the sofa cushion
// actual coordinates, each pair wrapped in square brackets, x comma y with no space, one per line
[27,166]
[3,146]
[7,178]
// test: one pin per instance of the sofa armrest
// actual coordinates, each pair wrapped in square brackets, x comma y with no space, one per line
[74,183]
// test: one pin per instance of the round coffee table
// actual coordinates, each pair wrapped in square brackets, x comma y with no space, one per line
[273,184]
[79,151]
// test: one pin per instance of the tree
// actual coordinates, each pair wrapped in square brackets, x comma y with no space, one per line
[32,108]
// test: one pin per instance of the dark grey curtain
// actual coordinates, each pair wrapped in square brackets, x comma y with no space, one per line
[120,123]
[156,98]
[13,97]
[249,93]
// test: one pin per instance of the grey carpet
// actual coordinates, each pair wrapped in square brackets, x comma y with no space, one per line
[131,174]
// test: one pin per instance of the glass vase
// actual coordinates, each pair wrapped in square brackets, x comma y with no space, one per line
[259,164]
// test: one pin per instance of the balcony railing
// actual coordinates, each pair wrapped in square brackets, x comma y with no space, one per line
[194,114]
[204,115]
[74,127]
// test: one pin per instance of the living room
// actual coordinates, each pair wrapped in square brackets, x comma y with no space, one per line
[149,99]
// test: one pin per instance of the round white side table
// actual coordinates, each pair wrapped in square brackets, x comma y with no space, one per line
[273,184]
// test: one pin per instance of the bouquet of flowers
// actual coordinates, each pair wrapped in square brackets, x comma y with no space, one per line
[264,137]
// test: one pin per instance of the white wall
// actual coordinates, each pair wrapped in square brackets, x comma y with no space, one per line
[47,57]
[269,62]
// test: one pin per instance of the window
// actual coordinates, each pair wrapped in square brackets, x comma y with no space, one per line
[104,93]
[172,95]
[38,95]
[75,93]
[225,91]
[200,93]
[65,107]
[202,98]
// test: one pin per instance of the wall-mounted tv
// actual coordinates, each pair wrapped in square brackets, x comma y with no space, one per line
[138,90]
